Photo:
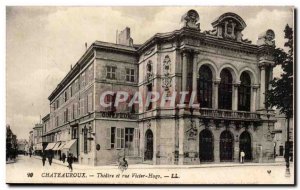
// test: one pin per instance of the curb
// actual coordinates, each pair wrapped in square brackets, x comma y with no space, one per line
[77,166]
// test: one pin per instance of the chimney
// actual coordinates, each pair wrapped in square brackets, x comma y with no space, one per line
[124,38]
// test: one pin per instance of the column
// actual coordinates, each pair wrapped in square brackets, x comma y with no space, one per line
[235,97]
[195,71]
[216,94]
[262,87]
[184,71]
[253,100]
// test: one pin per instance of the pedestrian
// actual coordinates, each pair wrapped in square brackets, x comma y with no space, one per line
[44,158]
[242,156]
[50,158]
[63,157]
[70,161]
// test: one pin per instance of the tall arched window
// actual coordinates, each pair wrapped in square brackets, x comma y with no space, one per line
[205,87]
[225,90]
[244,92]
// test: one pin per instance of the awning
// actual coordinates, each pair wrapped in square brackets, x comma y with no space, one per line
[61,146]
[56,146]
[50,146]
[69,144]
[71,147]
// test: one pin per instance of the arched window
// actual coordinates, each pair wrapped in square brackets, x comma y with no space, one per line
[205,87]
[244,92]
[225,90]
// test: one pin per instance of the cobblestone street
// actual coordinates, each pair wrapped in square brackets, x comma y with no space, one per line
[25,166]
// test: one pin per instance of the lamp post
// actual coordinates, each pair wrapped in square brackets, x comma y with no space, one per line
[287,148]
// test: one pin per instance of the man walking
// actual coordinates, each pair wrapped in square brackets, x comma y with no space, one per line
[70,161]
[50,157]
[63,157]
[44,158]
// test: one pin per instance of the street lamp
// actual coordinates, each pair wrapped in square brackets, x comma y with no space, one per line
[287,148]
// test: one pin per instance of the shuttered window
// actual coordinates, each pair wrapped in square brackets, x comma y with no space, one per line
[108,139]
[120,138]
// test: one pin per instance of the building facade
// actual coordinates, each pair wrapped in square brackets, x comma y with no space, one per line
[37,139]
[228,75]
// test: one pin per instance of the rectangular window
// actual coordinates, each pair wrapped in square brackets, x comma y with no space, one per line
[128,136]
[82,80]
[111,72]
[76,87]
[112,137]
[71,90]
[90,102]
[73,111]
[91,73]
[130,75]
[66,95]
[56,121]
[86,105]
[57,103]
[69,114]
[81,107]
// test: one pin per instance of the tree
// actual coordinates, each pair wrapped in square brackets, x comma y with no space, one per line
[281,93]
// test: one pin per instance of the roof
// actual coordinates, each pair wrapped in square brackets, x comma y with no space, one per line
[106,46]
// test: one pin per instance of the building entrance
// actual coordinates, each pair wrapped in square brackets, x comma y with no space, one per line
[226,146]
[206,146]
[245,145]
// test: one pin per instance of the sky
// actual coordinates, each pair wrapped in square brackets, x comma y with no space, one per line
[43,42]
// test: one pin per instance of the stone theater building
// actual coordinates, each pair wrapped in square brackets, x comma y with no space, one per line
[228,73]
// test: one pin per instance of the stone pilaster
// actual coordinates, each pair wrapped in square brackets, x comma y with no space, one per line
[235,96]
[184,71]
[216,93]
[262,86]
[254,98]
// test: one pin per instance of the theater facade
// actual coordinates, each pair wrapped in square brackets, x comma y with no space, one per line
[228,73]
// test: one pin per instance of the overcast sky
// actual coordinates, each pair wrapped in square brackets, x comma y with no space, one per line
[42,43]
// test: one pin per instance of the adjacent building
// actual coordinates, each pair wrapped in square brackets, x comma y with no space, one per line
[280,139]
[22,146]
[228,73]
[37,139]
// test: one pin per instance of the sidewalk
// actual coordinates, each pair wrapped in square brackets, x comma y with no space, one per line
[148,166]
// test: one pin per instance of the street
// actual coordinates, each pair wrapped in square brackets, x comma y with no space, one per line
[31,170]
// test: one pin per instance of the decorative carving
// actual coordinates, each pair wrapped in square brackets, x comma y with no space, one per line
[229,30]
[148,124]
[192,131]
[190,19]
[229,26]
[266,38]
[231,125]
[149,70]
[167,80]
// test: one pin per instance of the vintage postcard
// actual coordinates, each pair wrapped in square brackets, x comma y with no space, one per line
[150,95]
